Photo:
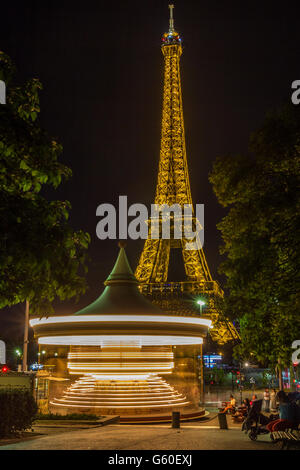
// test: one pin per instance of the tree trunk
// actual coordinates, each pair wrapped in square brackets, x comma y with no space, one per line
[280,375]
[292,377]
[25,347]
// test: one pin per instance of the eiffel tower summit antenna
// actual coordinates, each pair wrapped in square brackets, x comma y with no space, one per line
[171,21]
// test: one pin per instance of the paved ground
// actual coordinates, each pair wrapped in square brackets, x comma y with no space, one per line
[145,437]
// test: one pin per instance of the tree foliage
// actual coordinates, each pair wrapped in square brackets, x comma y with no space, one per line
[18,411]
[261,237]
[40,254]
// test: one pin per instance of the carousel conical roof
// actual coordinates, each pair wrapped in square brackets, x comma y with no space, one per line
[120,315]
[121,294]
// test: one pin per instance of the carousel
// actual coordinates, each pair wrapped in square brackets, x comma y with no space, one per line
[122,355]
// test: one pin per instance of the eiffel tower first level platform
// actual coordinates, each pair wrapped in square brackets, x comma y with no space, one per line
[173,187]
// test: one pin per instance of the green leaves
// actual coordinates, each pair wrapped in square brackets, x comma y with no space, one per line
[18,410]
[40,254]
[23,165]
[261,237]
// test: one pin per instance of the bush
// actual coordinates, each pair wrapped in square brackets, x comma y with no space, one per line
[17,411]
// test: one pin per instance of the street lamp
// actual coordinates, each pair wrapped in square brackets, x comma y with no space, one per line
[19,355]
[201,303]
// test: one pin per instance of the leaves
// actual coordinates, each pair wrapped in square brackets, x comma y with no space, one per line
[261,237]
[40,254]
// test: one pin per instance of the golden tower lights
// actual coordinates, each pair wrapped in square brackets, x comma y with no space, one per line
[173,187]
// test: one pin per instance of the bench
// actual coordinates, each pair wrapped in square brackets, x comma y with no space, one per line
[230,411]
[240,414]
[287,438]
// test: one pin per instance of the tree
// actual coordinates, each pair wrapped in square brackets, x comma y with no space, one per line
[261,238]
[40,254]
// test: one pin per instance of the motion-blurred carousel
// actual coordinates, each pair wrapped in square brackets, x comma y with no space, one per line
[124,356]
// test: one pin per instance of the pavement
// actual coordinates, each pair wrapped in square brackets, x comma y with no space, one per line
[191,436]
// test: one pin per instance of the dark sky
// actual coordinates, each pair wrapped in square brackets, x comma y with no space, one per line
[102,69]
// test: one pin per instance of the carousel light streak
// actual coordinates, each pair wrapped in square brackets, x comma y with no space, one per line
[97,397]
[130,365]
[122,354]
[67,404]
[96,340]
[83,368]
[121,319]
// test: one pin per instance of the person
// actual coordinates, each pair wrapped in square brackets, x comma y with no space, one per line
[254,397]
[266,402]
[231,406]
[246,404]
[242,411]
[287,414]
[273,402]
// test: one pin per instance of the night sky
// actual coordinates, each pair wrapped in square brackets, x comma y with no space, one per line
[102,71]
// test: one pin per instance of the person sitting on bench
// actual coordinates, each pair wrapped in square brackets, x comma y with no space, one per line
[231,406]
[287,414]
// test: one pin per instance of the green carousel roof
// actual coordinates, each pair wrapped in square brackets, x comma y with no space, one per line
[121,294]
[120,312]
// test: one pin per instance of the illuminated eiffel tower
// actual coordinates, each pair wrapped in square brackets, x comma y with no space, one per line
[173,187]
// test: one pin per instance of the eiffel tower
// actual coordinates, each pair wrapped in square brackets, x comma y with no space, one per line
[173,187]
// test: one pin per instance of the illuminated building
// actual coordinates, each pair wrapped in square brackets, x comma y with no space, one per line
[173,187]
[123,353]
[212,360]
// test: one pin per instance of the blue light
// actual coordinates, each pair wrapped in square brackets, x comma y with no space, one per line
[36,366]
